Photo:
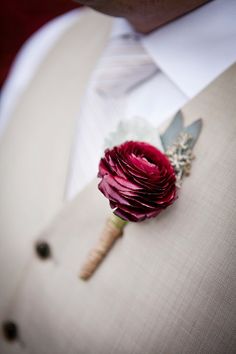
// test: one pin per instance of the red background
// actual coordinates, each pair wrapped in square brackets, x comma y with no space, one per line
[19,19]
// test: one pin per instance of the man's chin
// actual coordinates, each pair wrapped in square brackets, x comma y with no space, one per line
[90,3]
[110,7]
[85,2]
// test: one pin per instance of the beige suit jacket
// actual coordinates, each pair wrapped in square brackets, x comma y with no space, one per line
[169,285]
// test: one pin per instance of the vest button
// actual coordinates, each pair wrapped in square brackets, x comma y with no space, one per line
[43,250]
[10,330]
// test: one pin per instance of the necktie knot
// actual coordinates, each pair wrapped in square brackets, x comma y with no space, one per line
[124,65]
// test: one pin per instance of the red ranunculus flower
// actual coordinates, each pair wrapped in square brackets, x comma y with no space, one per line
[138,180]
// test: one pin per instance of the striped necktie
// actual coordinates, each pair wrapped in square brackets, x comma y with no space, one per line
[124,65]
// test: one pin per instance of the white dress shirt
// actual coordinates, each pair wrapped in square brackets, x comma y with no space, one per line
[190,52]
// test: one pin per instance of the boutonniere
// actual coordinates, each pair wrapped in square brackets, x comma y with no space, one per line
[141,176]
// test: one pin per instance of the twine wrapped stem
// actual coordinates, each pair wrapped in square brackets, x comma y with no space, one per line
[112,231]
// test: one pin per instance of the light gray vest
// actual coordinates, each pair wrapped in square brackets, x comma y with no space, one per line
[169,284]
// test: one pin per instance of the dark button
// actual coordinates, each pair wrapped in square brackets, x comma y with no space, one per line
[10,330]
[43,250]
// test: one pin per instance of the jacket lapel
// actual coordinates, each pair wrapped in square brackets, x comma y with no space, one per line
[35,149]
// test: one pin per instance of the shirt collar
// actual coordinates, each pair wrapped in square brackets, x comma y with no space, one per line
[194,49]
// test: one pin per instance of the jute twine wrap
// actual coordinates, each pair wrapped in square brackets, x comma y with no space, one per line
[112,231]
